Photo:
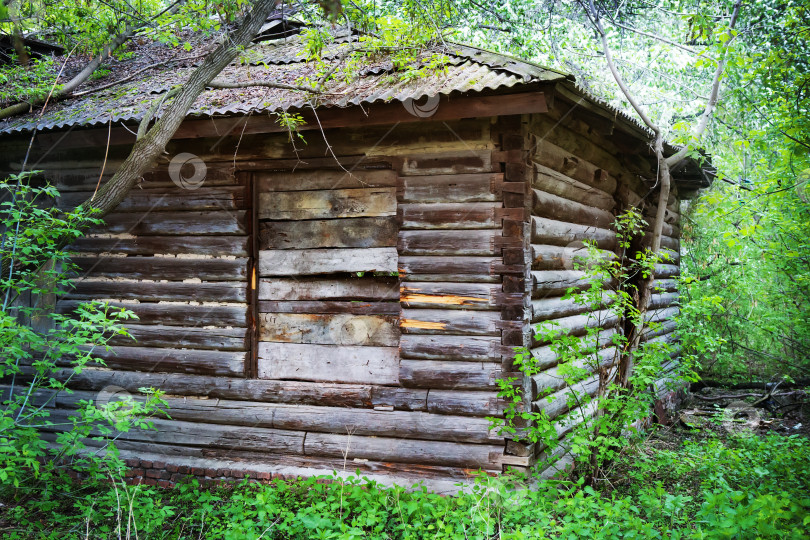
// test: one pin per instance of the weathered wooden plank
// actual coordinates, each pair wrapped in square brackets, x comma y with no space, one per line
[554,207]
[325,233]
[147,359]
[223,386]
[286,262]
[564,186]
[444,242]
[545,257]
[338,203]
[163,268]
[151,245]
[561,233]
[449,295]
[364,288]
[452,188]
[172,198]
[460,348]
[564,400]
[404,450]
[330,329]
[328,306]
[398,398]
[449,375]
[480,215]
[308,418]
[156,291]
[328,363]
[449,265]
[411,425]
[209,435]
[220,339]
[174,314]
[449,163]
[465,403]
[447,321]
[315,179]
[174,223]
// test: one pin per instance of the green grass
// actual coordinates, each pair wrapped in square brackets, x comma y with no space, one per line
[744,487]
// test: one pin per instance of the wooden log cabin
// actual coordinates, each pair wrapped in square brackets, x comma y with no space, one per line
[345,300]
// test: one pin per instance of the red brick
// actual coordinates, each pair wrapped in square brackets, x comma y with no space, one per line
[165,484]
[184,469]
[135,472]
[198,471]
[132,462]
[153,473]
[264,476]
[172,468]
[176,477]
[146,464]
[227,473]
[149,482]
[210,473]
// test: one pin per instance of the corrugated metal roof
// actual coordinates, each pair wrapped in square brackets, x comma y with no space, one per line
[466,70]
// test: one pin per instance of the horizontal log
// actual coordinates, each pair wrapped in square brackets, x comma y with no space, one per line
[481,215]
[444,347]
[556,282]
[153,245]
[329,329]
[449,375]
[398,398]
[447,321]
[221,339]
[156,291]
[148,359]
[555,157]
[329,233]
[168,199]
[667,270]
[554,308]
[552,380]
[326,204]
[487,266]
[561,233]
[559,184]
[328,306]
[364,288]
[174,314]
[545,357]
[572,257]
[577,325]
[554,207]
[661,314]
[456,188]
[403,450]
[307,418]
[197,434]
[329,363]
[665,285]
[465,403]
[442,242]
[174,223]
[664,330]
[449,163]
[564,400]
[285,262]
[662,300]
[328,179]
[449,295]
[163,268]
[222,386]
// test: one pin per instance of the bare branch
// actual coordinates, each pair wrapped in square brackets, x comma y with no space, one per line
[662,39]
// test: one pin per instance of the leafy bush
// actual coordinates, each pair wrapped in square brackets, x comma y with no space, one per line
[37,342]
[749,488]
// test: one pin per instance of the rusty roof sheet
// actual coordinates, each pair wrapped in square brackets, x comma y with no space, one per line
[466,69]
